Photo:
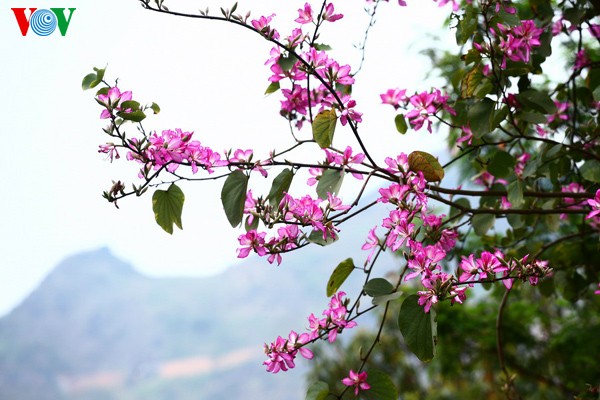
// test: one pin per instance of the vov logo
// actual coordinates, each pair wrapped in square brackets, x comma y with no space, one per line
[43,22]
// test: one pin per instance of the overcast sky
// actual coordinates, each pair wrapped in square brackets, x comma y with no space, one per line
[208,78]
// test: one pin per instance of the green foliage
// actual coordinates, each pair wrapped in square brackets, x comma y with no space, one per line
[233,197]
[420,161]
[281,185]
[400,122]
[323,127]
[339,275]
[168,206]
[317,391]
[418,328]
[329,182]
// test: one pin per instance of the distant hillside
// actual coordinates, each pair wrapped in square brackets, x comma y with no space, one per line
[97,329]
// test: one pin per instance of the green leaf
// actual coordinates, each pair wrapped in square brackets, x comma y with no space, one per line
[135,116]
[590,170]
[516,221]
[134,105]
[281,184]
[286,63]
[418,328]
[339,275]
[88,81]
[501,165]
[515,193]
[155,108]
[321,46]
[382,386]
[401,123]
[167,206]
[537,101]
[253,225]
[272,88]
[427,164]
[317,391]
[329,182]
[461,201]
[316,237]
[533,117]
[479,116]
[385,298]
[92,80]
[378,287]
[233,196]
[482,223]
[323,128]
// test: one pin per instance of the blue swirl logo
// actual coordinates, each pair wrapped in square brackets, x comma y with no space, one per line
[43,22]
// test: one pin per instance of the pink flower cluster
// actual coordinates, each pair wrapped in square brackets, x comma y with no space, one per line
[285,65]
[410,201]
[420,106]
[292,212]
[515,43]
[172,148]
[282,352]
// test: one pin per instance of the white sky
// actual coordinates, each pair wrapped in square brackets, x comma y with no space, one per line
[208,77]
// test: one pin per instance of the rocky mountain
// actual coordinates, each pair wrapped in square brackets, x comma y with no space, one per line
[97,329]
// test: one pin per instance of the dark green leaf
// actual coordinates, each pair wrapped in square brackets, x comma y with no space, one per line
[401,123]
[281,184]
[135,116]
[418,328]
[516,221]
[134,105]
[461,201]
[515,193]
[533,117]
[427,164]
[155,108]
[329,182]
[320,46]
[482,223]
[537,101]
[323,128]
[378,287]
[382,386]
[479,117]
[339,275]
[286,63]
[233,196]
[385,298]
[253,225]
[590,170]
[317,391]
[501,165]
[316,237]
[168,206]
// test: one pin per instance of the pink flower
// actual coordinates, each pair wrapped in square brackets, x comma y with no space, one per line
[110,149]
[113,100]
[394,97]
[328,14]
[371,244]
[305,14]
[595,204]
[358,380]
[253,241]
[598,291]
